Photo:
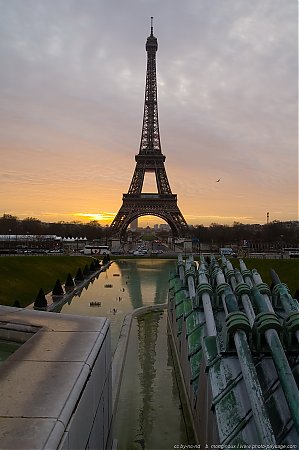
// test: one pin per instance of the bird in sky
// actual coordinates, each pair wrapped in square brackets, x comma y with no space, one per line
[217,181]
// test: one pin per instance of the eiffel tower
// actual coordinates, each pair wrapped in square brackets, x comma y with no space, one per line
[162,204]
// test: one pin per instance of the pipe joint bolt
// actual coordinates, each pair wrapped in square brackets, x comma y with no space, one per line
[291,327]
[234,322]
[265,321]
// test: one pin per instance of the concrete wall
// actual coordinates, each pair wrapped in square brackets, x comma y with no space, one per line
[56,388]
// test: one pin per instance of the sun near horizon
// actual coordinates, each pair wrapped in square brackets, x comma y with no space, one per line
[105,218]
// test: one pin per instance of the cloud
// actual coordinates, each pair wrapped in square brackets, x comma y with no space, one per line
[72,90]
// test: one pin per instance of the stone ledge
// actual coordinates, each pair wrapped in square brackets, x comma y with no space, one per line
[42,382]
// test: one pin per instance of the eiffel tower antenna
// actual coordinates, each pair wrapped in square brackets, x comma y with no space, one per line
[150,159]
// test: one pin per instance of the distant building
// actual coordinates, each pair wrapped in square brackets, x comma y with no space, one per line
[134,225]
[164,227]
[38,243]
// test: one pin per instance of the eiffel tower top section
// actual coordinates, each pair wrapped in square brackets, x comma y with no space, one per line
[150,136]
[151,42]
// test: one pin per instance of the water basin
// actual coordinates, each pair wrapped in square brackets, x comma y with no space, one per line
[135,283]
[7,348]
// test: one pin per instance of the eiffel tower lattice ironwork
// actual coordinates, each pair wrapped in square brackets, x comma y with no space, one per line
[162,204]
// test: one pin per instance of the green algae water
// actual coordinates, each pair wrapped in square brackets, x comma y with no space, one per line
[151,412]
[7,348]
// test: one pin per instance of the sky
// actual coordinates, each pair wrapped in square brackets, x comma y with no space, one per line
[72,85]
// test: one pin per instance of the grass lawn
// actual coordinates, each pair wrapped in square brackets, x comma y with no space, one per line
[21,277]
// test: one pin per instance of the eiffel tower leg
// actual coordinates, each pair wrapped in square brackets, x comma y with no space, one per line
[176,221]
[121,221]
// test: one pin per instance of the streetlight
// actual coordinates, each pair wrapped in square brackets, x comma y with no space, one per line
[9,231]
[281,250]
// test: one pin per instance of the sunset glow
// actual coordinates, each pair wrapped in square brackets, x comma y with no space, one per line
[100,217]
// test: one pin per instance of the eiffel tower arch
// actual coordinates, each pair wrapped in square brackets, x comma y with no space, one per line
[163,203]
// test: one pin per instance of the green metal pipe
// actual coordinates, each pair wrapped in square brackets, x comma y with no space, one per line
[285,374]
[254,390]
[190,276]
[259,300]
[238,276]
[202,260]
[227,294]
[253,387]
[257,279]
[275,277]
[207,305]
[288,303]
[230,300]
[230,274]
[181,268]
[223,260]
[246,301]
[284,371]
[245,273]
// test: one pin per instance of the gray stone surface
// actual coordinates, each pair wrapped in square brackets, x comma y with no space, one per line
[51,321]
[59,346]
[47,384]
[29,433]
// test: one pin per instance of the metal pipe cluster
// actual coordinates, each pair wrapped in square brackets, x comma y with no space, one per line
[246,319]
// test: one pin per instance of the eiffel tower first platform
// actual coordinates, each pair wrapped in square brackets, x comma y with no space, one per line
[162,204]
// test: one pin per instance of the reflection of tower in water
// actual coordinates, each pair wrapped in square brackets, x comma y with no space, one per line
[131,274]
[139,274]
[161,288]
[148,325]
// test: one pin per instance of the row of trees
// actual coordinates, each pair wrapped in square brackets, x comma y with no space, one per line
[278,233]
[12,225]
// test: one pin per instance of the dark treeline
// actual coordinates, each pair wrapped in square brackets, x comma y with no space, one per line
[276,233]
[12,225]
